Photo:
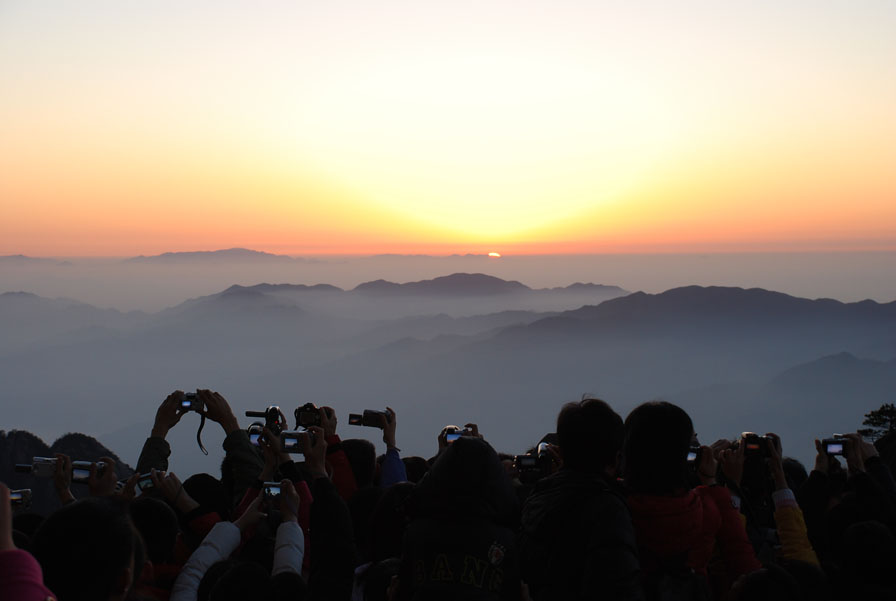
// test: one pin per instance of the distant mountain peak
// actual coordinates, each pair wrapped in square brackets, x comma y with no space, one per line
[456,284]
[224,255]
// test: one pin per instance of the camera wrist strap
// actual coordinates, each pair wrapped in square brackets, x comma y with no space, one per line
[199,434]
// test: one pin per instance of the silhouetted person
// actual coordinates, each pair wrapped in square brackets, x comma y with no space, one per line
[577,540]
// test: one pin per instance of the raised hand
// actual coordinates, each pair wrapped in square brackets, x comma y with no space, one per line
[6,543]
[289,502]
[706,469]
[328,420]
[732,462]
[173,490]
[216,408]
[62,478]
[389,426]
[252,516]
[102,485]
[316,454]
[168,414]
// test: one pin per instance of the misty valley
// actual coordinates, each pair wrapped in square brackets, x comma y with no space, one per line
[448,350]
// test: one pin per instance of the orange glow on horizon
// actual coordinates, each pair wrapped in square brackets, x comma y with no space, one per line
[423,132]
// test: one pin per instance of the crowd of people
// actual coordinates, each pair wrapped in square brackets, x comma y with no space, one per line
[601,508]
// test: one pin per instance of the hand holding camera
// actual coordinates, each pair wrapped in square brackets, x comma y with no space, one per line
[102,482]
[315,451]
[289,502]
[216,408]
[328,421]
[389,425]
[170,412]
[252,516]
[173,490]
[775,460]
[6,543]
[706,465]
[732,462]
[62,478]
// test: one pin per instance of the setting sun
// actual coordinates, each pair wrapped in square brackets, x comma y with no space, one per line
[414,128]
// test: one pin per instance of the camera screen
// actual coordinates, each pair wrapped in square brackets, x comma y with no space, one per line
[80,474]
[15,495]
[186,404]
[253,438]
[526,461]
[834,448]
[355,419]
[692,456]
[290,442]
[452,437]
[145,483]
[272,491]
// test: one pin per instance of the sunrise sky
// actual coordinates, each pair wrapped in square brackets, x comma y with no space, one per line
[446,127]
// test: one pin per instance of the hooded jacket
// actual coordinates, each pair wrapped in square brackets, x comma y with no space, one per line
[460,541]
[577,540]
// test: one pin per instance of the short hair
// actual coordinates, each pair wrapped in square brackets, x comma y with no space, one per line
[157,524]
[362,457]
[415,467]
[210,493]
[84,547]
[657,439]
[590,435]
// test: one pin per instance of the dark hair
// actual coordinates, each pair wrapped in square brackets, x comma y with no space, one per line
[590,435]
[657,438]
[377,578]
[416,468]
[362,457]
[157,524]
[210,493]
[794,472]
[387,523]
[466,481]
[84,548]
[230,580]
[361,507]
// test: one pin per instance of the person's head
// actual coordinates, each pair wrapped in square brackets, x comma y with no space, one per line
[416,468]
[86,550]
[233,580]
[376,581]
[362,457]
[466,480]
[657,439]
[157,524]
[795,472]
[210,493]
[387,522]
[590,436]
[777,583]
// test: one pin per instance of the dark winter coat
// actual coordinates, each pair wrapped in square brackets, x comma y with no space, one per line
[577,540]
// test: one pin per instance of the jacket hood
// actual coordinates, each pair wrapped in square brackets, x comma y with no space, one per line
[466,480]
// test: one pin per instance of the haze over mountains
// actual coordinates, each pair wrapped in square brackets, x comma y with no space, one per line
[452,349]
[157,282]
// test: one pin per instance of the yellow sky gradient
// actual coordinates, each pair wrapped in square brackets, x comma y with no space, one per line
[406,127]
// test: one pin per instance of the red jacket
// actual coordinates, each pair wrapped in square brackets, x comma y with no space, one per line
[692,523]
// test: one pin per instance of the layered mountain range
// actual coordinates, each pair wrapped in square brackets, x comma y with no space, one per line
[737,359]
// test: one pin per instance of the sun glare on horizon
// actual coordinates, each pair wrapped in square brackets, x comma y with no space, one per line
[386,127]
